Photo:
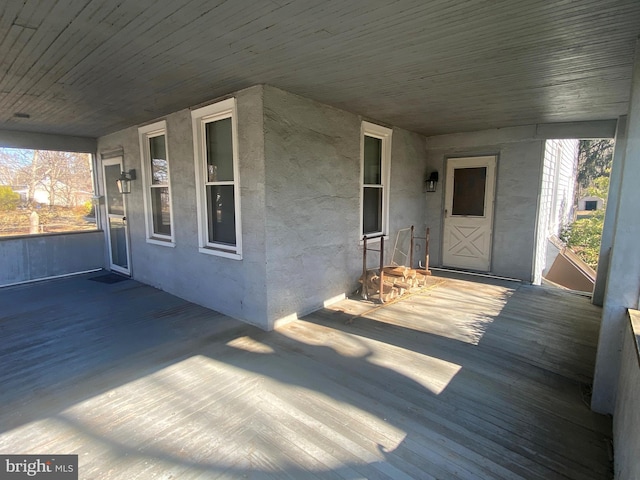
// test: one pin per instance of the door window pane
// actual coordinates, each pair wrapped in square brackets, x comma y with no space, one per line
[118,240]
[372,210]
[158,153]
[372,161]
[469,186]
[115,204]
[219,151]
[160,210]
[221,213]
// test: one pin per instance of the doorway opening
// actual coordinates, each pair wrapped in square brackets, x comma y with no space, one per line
[573,196]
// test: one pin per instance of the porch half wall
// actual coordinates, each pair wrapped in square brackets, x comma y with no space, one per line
[37,257]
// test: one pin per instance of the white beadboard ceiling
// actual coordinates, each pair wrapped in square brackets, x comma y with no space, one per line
[91,67]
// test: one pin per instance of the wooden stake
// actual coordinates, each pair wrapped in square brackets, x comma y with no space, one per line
[426,255]
[411,250]
[365,289]
[381,267]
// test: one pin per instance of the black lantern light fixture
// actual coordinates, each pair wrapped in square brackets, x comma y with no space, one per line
[431,181]
[124,182]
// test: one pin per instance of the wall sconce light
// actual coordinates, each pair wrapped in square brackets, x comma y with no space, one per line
[124,182]
[431,181]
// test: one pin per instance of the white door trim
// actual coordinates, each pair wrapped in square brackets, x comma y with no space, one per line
[467,239]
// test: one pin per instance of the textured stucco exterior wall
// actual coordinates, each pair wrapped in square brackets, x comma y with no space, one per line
[517,187]
[36,257]
[312,156]
[300,208]
[233,287]
[408,200]
[313,200]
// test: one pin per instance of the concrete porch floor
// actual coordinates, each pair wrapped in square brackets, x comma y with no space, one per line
[462,380]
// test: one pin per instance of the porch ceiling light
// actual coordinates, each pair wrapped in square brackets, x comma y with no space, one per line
[431,181]
[124,182]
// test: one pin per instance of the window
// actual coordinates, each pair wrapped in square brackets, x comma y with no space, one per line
[216,162]
[591,205]
[157,189]
[376,160]
[45,191]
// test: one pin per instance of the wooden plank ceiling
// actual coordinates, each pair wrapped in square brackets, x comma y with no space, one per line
[91,67]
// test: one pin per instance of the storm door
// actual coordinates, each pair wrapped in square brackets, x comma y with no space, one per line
[468,215]
[117,232]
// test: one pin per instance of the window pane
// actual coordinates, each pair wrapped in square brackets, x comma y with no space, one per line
[468,191]
[114,202]
[372,161]
[219,151]
[590,205]
[372,210]
[118,241]
[160,210]
[221,214]
[158,152]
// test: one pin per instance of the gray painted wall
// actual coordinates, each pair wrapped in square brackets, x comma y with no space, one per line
[520,157]
[626,418]
[233,287]
[300,203]
[312,154]
[23,259]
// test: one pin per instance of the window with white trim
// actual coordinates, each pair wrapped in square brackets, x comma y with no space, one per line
[157,189]
[216,163]
[375,166]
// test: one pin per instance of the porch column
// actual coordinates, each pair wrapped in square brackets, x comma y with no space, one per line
[612,211]
[623,286]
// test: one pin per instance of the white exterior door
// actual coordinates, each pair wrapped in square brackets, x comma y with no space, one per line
[468,214]
[117,231]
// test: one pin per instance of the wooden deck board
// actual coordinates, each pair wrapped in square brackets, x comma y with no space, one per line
[463,380]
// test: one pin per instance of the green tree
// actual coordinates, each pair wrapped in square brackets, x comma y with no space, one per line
[594,169]
[584,235]
[594,161]
[9,199]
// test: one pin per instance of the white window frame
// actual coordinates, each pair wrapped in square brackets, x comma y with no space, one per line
[199,118]
[145,134]
[376,131]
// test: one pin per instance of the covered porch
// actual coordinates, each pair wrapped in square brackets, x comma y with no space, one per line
[468,378]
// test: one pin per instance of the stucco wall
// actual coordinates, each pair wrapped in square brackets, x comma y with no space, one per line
[626,418]
[234,287]
[313,200]
[300,208]
[517,187]
[41,256]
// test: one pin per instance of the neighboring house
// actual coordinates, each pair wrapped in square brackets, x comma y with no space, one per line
[556,209]
[23,191]
[590,203]
[64,196]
